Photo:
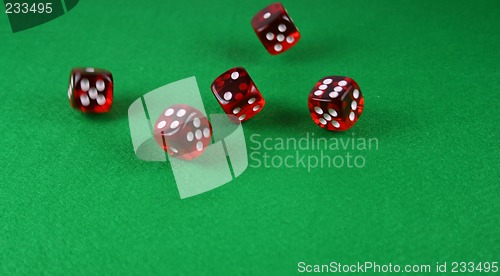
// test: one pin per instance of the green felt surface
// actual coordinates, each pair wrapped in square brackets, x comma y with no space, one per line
[74,199]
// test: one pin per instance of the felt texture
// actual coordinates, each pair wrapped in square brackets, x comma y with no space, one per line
[74,199]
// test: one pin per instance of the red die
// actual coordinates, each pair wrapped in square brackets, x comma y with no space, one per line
[237,94]
[183,131]
[275,29]
[91,90]
[335,103]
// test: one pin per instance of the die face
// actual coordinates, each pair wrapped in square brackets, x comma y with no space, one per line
[335,103]
[275,29]
[183,132]
[91,90]
[237,94]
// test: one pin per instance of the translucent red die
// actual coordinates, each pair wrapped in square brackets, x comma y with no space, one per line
[91,90]
[237,94]
[335,103]
[275,29]
[183,131]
